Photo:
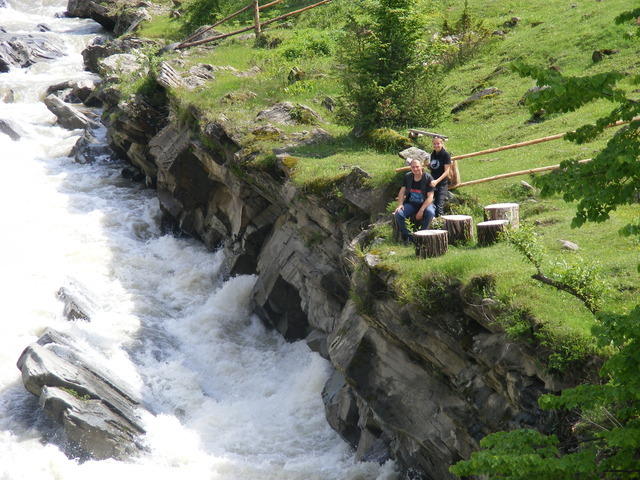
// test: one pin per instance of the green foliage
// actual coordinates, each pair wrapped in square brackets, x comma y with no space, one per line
[387,140]
[316,44]
[582,277]
[525,241]
[471,35]
[383,76]
[612,178]
[608,448]
[200,12]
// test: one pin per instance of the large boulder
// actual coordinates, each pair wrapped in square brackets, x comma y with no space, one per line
[68,116]
[7,127]
[98,10]
[99,415]
[26,50]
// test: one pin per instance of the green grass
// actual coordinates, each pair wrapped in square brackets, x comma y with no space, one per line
[554,33]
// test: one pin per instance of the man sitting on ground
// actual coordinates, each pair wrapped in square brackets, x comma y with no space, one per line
[415,198]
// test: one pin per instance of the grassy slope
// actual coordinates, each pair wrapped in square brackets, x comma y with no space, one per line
[554,32]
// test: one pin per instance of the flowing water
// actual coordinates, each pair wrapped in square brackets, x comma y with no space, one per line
[232,400]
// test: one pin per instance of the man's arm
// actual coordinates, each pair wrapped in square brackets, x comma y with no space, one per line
[400,199]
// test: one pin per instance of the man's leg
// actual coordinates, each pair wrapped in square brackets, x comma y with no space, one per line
[440,197]
[401,219]
[429,213]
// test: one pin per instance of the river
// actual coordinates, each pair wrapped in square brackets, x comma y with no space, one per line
[231,399]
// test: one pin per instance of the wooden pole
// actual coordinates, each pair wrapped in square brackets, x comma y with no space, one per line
[256,18]
[228,17]
[252,27]
[211,27]
[512,174]
[521,144]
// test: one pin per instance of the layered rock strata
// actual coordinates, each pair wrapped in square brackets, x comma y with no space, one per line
[421,386]
[100,417]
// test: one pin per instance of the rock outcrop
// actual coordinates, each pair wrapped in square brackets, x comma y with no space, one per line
[99,416]
[418,386]
[24,51]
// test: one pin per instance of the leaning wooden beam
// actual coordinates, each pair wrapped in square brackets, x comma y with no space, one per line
[518,145]
[526,143]
[228,17]
[511,174]
[211,27]
[252,27]
[416,132]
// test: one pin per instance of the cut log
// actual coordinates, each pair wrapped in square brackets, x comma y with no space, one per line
[458,228]
[503,211]
[431,243]
[488,231]
[397,237]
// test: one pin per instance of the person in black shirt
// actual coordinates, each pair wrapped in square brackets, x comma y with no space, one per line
[439,165]
[415,198]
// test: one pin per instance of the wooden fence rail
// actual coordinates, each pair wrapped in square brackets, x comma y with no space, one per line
[257,26]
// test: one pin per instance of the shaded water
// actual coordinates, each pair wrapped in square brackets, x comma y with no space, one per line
[231,399]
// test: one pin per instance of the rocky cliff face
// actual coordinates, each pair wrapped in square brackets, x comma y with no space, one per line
[421,386]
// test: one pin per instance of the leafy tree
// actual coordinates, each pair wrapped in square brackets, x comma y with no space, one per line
[612,178]
[605,444]
[384,77]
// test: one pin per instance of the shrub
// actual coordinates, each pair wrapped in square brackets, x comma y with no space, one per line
[383,74]
[387,140]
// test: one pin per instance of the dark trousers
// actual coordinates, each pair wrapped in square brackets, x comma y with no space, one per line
[408,211]
[440,196]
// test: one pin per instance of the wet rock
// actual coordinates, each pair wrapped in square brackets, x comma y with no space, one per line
[99,415]
[77,304]
[7,127]
[6,95]
[68,116]
[485,93]
[415,152]
[43,28]
[26,50]
[88,149]
[72,91]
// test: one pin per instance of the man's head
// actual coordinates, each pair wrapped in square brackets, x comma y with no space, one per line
[438,143]
[416,166]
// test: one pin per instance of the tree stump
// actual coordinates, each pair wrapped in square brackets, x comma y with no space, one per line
[396,235]
[431,243]
[488,231]
[503,211]
[458,228]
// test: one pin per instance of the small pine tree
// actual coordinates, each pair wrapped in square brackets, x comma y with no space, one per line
[384,77]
